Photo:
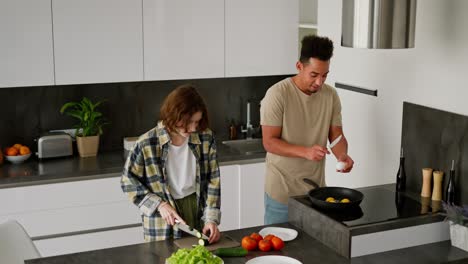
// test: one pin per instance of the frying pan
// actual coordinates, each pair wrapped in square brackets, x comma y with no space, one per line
[318,196]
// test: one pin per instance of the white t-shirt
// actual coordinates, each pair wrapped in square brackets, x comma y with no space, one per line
[181,170]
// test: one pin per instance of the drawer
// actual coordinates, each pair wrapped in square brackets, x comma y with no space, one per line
[78,218]
[60,195]
[90,241]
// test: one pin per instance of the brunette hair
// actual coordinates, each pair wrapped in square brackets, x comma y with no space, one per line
[180,104]
[316,47]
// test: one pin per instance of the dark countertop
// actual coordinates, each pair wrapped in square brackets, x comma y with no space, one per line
[304,248]
[108,164]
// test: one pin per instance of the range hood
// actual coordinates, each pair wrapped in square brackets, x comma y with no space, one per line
[378,24]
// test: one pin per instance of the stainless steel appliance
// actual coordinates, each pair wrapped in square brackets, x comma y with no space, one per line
[54,144]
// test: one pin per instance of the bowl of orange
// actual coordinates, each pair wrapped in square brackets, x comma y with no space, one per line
[17,153]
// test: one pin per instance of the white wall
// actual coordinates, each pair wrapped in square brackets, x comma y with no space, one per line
[431,74]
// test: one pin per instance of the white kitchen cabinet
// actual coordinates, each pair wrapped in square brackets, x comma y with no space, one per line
[183,39]
[307,19]
[90,241]
[97,41]
[61,210]
[26,43]
[229,197]
[261,37]
[252,190]
[242,190]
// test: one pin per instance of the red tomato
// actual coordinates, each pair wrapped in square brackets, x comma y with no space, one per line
[265,245]
[278,243]
[269,237]
[249,243]
[256,236]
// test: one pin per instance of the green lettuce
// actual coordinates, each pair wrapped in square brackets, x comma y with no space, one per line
[196,255]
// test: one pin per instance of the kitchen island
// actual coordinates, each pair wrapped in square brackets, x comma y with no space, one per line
[304,248]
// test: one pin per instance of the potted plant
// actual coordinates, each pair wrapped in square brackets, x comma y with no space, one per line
[89,127]
[458,218]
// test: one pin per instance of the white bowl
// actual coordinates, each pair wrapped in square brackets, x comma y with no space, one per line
[18,159]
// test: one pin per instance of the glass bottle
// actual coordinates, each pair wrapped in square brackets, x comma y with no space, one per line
[401,175]
[450,191]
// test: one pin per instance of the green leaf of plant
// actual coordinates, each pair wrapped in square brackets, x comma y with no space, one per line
[66,106]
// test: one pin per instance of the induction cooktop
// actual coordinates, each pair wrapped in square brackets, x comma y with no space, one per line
[378,205]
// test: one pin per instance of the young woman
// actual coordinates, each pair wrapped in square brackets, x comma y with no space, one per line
[172,172]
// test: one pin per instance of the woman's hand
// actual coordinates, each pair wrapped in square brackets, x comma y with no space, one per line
[169,214]
[213,230]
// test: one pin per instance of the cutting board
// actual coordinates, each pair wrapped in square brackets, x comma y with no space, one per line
[224,242]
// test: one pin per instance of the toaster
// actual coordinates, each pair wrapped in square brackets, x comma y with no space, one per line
[54,144]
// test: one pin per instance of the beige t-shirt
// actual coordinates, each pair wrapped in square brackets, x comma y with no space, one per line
[305,120]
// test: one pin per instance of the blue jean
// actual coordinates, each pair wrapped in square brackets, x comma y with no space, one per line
[275,212]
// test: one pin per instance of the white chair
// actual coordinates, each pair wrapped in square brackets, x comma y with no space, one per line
[15,244]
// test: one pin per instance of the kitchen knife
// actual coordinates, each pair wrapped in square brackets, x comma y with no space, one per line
[335,141]
[192,231]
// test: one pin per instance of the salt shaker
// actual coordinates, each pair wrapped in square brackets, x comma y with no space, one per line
[426,186]
[437,190]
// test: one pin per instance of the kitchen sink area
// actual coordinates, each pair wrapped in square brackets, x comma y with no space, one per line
[245,146]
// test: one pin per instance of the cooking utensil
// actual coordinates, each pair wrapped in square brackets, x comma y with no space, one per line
[190,230]
[318,196]
[335,141]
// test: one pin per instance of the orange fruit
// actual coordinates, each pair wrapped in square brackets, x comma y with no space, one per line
[17,146]
[249,243]
[277,243]
[24,150]
[12,152]
[265,245]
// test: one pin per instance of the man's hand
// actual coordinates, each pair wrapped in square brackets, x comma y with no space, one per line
[169,214]
[316,153]
[348,161]
[213,231]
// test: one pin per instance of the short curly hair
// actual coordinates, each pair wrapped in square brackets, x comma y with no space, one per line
[316,47]
[180,105]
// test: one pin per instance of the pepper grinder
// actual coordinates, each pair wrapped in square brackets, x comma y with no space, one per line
[437,190]
[426,186]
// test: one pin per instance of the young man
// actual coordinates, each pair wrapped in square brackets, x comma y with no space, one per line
[298,115]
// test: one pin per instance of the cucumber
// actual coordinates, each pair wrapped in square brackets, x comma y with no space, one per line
[203,242]
[231,252]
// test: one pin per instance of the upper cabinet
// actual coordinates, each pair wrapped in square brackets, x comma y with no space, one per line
[183,39]
[307,19]
[26,56]
[47,42]
[261,37]
[97,41]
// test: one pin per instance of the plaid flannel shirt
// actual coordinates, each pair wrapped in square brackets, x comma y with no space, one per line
[144,180]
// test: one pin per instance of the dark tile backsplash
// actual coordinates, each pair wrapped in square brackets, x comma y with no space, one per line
[132,108]
[432,138]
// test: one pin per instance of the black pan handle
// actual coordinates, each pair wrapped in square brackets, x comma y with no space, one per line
[311,182]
